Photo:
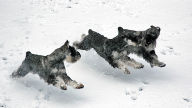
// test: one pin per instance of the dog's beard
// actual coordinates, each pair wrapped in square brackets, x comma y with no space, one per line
[149,41]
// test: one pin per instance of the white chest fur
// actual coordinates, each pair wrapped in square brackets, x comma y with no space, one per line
[129,42]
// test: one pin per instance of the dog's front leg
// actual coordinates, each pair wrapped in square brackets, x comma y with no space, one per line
[62,80]
[116,61]
[156,62]
[67,80]
[56,80]
[152,58]
[60,83]
[71,82]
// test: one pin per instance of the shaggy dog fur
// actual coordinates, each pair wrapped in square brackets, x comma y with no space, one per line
[115,51]
[51,68]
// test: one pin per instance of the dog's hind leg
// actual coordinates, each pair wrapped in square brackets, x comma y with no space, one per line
[117,62]
[84,44]
[122,66]
[122,61]
[21,71]
[24,69]
[131,62]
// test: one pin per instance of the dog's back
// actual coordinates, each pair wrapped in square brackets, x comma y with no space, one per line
[97,40]
[92,40]
[33,58]
[34,62]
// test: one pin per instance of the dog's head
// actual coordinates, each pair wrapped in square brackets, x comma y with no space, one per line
[72,55]
[138,38]
[149,40]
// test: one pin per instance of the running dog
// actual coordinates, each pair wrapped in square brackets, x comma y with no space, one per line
[115,51]
[51,68]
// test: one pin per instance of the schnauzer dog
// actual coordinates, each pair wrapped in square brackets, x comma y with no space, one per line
[51,68]
[115,51]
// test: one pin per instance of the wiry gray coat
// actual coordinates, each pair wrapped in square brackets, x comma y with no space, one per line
[115,51]
[51,68]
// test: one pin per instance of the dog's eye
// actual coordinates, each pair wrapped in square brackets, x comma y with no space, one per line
[152,52]
[73,54]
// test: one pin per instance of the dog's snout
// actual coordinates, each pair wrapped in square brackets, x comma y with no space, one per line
[147,43]
[78,54]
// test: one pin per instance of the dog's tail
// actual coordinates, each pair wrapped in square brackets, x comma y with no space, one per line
[83,36]
[77,43]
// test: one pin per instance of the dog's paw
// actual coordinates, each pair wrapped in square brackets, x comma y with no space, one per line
[76,85]
[139,66]
[126,71]
[63,87]
[159,64]
[79,86]
[162,64]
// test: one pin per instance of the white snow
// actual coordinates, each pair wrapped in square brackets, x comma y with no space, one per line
[40,26]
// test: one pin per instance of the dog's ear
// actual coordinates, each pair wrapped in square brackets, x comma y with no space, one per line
[66,44]
[90,31]
[152,26]
[120,30]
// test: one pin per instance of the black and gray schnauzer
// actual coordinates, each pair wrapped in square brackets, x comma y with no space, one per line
[115,51]
[51,68]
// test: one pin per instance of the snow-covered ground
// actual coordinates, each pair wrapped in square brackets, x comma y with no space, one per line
[43,25]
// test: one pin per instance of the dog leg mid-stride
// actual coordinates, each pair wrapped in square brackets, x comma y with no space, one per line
[51,68]
[115,51]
